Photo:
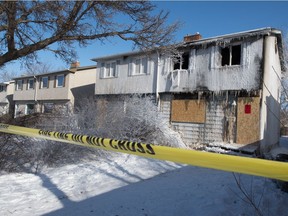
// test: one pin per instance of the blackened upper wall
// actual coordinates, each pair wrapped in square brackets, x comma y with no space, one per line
[208,71]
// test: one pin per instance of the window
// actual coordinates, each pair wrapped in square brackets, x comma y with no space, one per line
[48,107]
[30,84]
[29,109]
[109,69]
[60,81]
[44,82]
[231,55]
[19,85]
[181,62]
[186,110]
[2,88]
[138,66]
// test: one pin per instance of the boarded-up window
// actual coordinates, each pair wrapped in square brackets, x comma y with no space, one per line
[188,111]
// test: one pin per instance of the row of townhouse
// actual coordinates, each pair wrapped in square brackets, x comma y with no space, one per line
[49,92]
[224,89]
[220,90]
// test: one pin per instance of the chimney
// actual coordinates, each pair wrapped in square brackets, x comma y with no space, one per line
[191,38]
[75,64]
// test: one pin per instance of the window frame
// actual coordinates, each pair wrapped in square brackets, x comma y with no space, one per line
[109,69]
[17,85]
[42,82]
[231,55]
[183,60]
[3,88]
[29,111]
[28,84]
[140,68]
[57,81]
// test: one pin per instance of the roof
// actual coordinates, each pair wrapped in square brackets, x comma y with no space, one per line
[119,55]
[243,34]
[7,83]
[69,70]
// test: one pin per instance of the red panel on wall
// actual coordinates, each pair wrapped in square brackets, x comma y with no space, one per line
[247,109]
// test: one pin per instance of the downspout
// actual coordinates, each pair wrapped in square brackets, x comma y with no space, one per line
[35,92]
[157,81]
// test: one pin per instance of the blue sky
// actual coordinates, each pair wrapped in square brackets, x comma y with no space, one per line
[210,18]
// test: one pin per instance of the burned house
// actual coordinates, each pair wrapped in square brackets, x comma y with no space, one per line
[219,90]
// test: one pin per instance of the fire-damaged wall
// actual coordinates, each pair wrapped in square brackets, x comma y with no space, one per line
[206,69]
[225,118]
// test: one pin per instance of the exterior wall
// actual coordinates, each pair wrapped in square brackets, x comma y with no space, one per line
[124,82]
[24,93]
[270,107]
[53,92]
[211,130]
[206,73]
[224,120]
[3,95]
[38,93]
[82,85]
[6,96]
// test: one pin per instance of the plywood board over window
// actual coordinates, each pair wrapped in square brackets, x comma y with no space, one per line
[248,118]
[191,111]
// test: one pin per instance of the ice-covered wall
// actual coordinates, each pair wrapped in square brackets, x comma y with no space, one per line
[206,73]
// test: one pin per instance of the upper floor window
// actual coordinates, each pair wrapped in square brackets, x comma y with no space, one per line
[231,55]
[181,62]
[19,85]
[30,84]
[109,69]
[2,88]
[44,82]
[60,81]
[138,66]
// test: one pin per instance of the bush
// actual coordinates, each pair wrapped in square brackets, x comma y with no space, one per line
[134,118]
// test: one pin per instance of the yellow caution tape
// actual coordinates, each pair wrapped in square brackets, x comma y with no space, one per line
[245,165]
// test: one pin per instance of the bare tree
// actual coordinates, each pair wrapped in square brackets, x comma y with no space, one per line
[6,75]
[29,26]
[39,68]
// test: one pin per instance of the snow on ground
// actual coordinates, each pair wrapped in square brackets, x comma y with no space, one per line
[126,185]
